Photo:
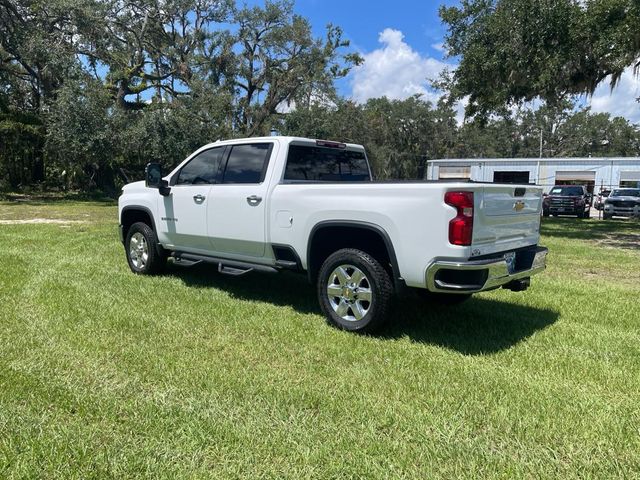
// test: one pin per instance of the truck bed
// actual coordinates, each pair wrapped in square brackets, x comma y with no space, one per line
[413,214]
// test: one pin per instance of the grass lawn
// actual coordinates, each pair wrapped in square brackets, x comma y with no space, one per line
[193,374]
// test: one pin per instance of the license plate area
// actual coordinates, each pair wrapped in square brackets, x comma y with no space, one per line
[520,260]
[510,259]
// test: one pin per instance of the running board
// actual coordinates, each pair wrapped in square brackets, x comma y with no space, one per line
[182,262]
[287,264]
[233,271]
[228,267]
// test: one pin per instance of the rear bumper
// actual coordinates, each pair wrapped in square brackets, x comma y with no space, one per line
[479,275]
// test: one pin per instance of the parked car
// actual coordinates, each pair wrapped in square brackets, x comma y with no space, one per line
[568,200]
[282,203]
[623,202]
[602,196]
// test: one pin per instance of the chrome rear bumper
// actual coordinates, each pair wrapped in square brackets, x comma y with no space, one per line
[478,275]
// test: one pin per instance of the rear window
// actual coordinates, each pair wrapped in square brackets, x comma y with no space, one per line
[317,164]
[568,191]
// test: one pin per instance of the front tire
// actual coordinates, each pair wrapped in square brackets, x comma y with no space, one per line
[142,250]
[354,291]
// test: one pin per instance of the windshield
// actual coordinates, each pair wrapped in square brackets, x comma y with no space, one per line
[317,164]
[568,191]
[626,192]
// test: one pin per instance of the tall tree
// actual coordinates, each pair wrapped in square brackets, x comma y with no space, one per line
[36,58]
[280,63]
[152,48]
[516,50]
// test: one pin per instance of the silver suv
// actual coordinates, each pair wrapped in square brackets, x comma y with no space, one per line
[623,202]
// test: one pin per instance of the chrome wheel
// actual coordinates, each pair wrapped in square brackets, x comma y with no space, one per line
[138,250]
[349,292]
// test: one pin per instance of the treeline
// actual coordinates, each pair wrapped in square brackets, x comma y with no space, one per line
[92,91]
[87,87]
[400,135]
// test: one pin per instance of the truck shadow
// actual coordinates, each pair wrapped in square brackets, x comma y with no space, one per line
[477,327]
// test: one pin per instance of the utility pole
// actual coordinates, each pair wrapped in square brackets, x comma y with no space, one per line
[540,142]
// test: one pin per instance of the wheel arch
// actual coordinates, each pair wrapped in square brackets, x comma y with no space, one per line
[368,237]
[136,213]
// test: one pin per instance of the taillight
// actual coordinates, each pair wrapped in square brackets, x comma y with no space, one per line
[461,227]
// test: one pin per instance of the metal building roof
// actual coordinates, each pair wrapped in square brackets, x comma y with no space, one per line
[606,160]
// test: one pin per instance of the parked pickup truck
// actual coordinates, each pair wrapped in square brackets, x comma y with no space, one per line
[568,200]
[623,202]
[283,203]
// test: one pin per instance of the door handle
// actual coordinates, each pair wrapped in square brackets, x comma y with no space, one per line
[199,198]
[254,200]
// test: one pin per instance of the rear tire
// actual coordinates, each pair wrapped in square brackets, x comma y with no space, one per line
[144,253]
[355,292]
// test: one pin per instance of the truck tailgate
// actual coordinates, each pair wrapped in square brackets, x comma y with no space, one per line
[508,217]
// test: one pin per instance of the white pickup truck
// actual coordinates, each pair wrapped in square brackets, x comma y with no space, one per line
[286,203]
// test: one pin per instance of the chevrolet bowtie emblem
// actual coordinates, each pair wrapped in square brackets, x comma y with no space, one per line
[519,205]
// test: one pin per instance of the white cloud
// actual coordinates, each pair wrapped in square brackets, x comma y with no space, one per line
[395,70]
[621,102]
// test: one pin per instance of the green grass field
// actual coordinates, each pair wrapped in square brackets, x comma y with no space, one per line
[104,374]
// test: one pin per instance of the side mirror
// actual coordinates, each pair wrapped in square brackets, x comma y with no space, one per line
[153,175]
[153,178]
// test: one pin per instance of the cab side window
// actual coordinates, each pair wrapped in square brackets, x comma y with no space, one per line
[247,163]
[201,169]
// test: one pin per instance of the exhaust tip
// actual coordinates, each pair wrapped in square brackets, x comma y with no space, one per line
[518,285]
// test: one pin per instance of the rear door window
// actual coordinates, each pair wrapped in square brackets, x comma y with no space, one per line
[247,163]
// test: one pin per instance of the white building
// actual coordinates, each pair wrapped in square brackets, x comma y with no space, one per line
[595,173]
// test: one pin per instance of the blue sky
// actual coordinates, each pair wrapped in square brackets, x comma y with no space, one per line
[362,21]
[401,43]
[365,22]
[401,40]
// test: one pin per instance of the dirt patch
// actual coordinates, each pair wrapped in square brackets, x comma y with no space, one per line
[58,221]
[620,240]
